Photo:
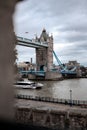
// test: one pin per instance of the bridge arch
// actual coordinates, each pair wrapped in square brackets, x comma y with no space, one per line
[42,67]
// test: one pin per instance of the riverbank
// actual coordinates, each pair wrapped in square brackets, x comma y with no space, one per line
[53,100]
[52,115]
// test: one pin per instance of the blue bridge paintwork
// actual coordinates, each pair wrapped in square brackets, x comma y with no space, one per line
[37,73]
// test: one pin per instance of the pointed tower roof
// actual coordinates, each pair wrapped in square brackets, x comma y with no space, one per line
[44,35]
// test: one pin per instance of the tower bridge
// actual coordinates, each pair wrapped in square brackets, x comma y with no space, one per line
[31,43]
[42,45]
[44,54]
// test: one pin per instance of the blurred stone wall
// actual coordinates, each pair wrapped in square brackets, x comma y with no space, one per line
[7,58]
[54,119]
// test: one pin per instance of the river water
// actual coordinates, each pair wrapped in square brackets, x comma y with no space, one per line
[60,89]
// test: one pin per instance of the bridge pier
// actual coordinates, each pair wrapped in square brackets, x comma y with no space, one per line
[53,76]
[44,56]
[48,76]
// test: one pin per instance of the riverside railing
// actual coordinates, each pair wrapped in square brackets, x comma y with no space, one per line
[53,100]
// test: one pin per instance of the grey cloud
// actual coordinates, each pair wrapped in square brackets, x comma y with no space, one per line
[74,52]
[81,46]
[25,53]
[67,17]
[69,28]
[71,38]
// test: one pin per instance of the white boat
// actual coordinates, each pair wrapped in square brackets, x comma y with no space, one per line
[28,85]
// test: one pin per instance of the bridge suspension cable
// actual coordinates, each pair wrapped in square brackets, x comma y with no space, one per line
[58,61]
[64,68]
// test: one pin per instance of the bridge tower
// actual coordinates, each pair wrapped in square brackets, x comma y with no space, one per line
[44,56]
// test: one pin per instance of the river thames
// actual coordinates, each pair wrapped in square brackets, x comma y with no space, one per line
[60,89]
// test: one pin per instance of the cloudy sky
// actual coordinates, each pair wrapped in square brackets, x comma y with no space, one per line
[65,19]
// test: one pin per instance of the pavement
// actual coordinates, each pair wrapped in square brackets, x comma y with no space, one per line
[22,103]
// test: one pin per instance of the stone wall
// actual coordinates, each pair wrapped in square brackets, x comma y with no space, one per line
[52,119]
[50,53]
[7,58]
[53,76]
[48,76]
[41,57]
[31,76]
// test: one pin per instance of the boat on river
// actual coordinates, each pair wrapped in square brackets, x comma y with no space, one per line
[28,85]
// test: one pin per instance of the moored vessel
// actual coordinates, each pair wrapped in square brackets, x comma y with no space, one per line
[28,85]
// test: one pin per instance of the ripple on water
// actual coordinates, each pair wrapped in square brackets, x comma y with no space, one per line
[60,89]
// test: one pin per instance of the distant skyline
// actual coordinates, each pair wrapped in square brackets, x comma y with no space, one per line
[66,20]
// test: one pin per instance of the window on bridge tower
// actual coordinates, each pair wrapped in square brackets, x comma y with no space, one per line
[42,68]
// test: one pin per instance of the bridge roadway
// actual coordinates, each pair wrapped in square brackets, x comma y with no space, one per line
[68,72]
[42,73]
[30,43]
[37,73]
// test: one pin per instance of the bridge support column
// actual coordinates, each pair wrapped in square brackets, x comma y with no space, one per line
[44,56]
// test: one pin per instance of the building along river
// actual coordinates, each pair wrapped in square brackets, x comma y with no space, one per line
[60,89]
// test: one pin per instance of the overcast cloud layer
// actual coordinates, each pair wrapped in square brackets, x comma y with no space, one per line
[65,19]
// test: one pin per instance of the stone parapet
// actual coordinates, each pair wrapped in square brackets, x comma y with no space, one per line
[52,118]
